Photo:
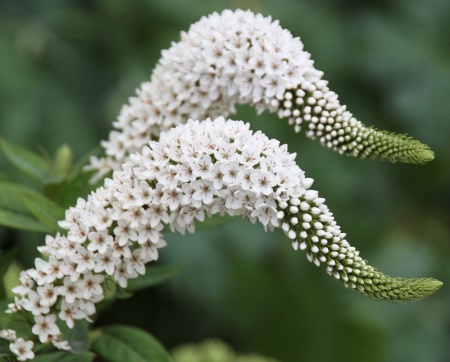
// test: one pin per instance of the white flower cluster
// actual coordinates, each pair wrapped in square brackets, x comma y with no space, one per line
[194,171]
[226,59]
[238,57]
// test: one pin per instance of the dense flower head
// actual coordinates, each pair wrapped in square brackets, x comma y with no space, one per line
[238,57]
[194,171]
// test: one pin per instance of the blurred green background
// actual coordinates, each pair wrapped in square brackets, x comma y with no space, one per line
[66,67]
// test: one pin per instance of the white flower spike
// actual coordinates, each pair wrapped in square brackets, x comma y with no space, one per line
[238,57]
[272,189]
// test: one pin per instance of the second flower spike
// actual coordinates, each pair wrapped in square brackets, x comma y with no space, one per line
[238,57]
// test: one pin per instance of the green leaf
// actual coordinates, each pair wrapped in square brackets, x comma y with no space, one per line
[64,357]
[43,209]
[19,203]
[83,161]
[153,276]
[17,321]
[4,352]
[6,258]
[78,337]
[22,222]
[63,161]
[32,165]
[67,193]
[10,200]
[122,343]
[122,293]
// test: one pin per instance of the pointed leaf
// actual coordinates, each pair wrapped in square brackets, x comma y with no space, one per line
[43,209]
[70,190]
[123,343]
[6,258]
[9,200]
[5,352]
[122,293]
[29,163]
[22,222]
[78,337]
[153,276]
[83,161]
[20,203]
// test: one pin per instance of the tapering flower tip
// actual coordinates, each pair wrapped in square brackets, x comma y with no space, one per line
[311,226]
[327,120]
[403,290]
[401,148]
[238,57]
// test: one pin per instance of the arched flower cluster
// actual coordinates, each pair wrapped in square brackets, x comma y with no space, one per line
[194,171]
[238,57]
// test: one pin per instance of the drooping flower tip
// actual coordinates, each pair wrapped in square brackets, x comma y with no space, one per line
[425,155]
[422,288]
[394,148]
[404,290]
[413,151]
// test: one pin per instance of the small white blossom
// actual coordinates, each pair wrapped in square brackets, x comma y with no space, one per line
[45,327]
[91,285]
[47,294]
[69,312]
[8,334]
[33,304]
[70,290]
[22,349]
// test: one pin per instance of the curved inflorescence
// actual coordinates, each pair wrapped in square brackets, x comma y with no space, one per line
[194,171]
[242,58]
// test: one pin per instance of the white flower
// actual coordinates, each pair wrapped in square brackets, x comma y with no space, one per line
[156,214]
[123,232]
[106,262]
[26,283]
[118,250]
[267,215]
[70,290]
[99,241]
[84,259]
[225,152]
[203,191]
[171,197]
[69,312]
[8,334]
[91,285]
[47,294]
[202,168]
[60,344]
[22,349]
[45,327]
[263,182]
[69,267]
[147,232]
[231,172]
[135,263]
[33,304]
[135,216]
